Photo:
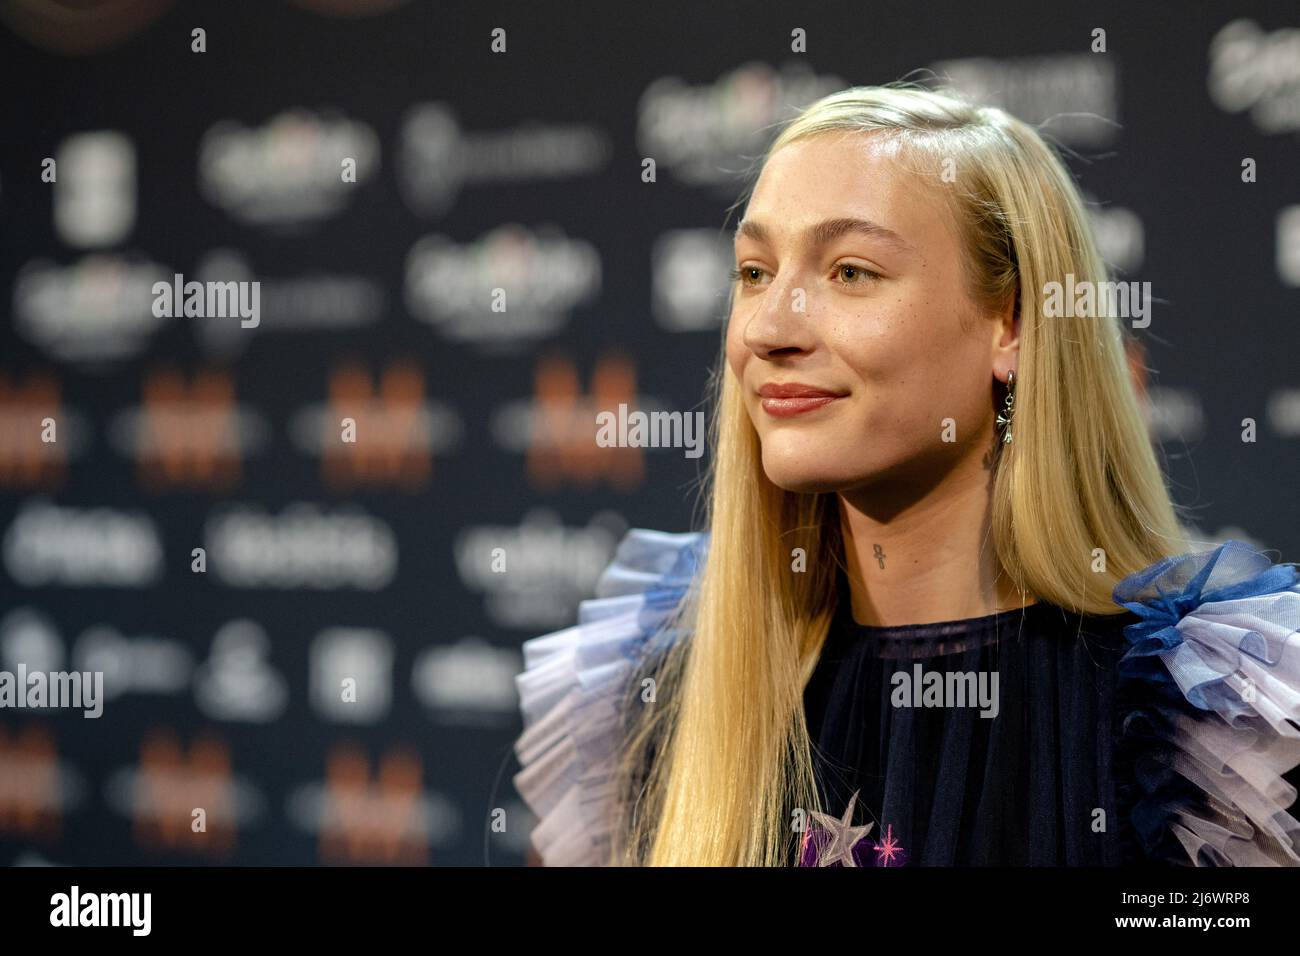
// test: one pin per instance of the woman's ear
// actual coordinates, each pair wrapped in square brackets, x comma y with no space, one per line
[1006,339]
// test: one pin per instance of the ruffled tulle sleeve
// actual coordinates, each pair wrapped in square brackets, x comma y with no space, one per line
[1213,674]
[573,685]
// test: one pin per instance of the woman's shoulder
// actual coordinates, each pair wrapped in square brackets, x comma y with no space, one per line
[573,688]
[1212,671]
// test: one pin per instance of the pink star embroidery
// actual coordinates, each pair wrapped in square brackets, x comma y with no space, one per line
[888,848]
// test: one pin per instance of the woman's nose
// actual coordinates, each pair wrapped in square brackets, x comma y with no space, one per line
[778,321]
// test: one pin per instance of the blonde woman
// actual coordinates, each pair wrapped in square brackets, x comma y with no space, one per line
[942,613]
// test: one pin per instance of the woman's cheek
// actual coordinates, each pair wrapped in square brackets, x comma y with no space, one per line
[735,358]
[874,348]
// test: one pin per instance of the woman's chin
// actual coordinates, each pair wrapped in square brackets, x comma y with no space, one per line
[800,479]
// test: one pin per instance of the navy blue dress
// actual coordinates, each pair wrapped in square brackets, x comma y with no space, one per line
[1168,733]
[1046,780]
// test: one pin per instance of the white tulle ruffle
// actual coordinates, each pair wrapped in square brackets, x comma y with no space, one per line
[572,686]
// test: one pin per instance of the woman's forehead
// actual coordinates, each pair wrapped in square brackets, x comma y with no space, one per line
[829,177]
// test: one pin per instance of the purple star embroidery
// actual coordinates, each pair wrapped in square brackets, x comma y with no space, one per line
[835,842]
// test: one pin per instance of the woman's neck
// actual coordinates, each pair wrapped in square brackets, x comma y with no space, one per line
[922,551]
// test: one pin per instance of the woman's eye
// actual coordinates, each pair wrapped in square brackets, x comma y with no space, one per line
[846,273]
[855,275]
[745,275]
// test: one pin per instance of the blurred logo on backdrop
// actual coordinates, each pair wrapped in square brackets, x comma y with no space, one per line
[184,799]
[556,429]
[468,682]
[37,787]
[376,433]
[39,435]
[1174,414]
[1284,412]
[94,194]
[436,159]
[298,168]
[96,309]
[315,301]
[504,290]
[305,546]
[386,817]
[189,431]
[533,574]
[698,132]
[1120,234]
[237,682]
[688,269]
[1073,97]
[351,679]
[59,545]
[1257,71]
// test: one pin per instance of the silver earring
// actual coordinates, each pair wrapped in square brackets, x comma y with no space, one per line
[1008,408]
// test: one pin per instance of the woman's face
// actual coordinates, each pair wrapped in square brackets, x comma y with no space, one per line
[851,283]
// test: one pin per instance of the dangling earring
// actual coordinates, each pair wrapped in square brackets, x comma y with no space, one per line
[1008,408]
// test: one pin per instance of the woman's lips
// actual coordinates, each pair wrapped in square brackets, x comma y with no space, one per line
[788,407]
[794,398]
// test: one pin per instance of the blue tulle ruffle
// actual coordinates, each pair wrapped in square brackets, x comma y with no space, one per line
[1218,645]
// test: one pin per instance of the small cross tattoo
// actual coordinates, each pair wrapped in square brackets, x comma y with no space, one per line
[880,554]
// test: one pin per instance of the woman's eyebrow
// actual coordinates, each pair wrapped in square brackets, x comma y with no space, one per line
[828,230]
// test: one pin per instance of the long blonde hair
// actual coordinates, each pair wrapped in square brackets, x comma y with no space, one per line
[732,763]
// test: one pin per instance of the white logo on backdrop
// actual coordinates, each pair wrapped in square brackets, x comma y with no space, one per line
[361,656]
[289,172]
[1174,414]
[1257,71]
[302,547]
[95,309]
[237,681]
[548,567]
[94,192]
[468,681]
[689,279]
[541,275]
[50,544]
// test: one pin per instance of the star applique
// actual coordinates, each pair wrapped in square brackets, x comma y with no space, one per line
[844,836]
